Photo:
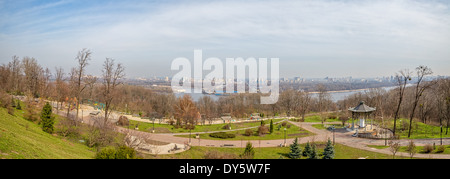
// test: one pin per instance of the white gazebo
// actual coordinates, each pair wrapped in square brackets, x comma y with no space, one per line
[361,112]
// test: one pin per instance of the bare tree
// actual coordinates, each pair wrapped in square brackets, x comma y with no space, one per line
[421,86]
[82,58]
[402,80]
[61,86]
[304,103]
[394,147]
[112,76]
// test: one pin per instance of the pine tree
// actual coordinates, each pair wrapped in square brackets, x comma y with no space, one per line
[313,154]
[296,151]
[271,126]
[18,107]
[47,119]
[307,150]
[249,152]
[328,152]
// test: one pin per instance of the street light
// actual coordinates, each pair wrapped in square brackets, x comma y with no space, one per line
[333,133]
[441,134]
[285,137]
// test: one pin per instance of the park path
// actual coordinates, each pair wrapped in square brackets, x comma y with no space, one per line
[344,138]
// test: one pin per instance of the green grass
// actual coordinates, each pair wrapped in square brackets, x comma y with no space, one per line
[341,152]
[315,118]
[20,138]
[419,130]
[322,126]
[166,128]
[419,149]
[291,132]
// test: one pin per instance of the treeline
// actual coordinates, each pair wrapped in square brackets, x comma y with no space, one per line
[428,101]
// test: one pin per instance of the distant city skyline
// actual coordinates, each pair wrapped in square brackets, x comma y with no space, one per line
[312,39]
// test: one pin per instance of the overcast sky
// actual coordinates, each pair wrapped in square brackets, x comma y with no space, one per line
[311,38]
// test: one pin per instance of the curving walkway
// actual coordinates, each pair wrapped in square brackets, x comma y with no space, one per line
[344,138]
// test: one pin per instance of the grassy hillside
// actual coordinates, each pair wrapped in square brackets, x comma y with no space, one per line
[20,138]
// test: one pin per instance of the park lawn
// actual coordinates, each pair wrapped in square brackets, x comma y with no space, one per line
[419,130]
[166,128]
[20,139]
[341,152]
[322,126]
[317,118]
[419,149]
[291,132]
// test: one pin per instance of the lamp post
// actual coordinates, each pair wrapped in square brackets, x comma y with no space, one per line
[441,134]
[285,137]
[153,130]
[333,133]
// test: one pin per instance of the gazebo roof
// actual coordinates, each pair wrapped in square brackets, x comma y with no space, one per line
[362,108]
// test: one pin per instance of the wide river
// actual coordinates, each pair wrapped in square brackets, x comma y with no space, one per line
[335,95]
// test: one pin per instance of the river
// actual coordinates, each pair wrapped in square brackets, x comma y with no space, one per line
[335,95]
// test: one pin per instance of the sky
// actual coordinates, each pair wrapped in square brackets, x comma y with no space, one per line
[312,39]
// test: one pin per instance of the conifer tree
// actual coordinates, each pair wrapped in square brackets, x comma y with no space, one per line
[47,119]
[271,126]
[307,150]
[328,152]
[296,151]
[313,154]
[249,152]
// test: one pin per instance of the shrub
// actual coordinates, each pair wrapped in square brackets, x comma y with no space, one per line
[332,117]
[248,132]
[284,123]
[219,155]
[263,130]
[440,149]
[222,135]
[123,121]
[227,126]
[122,152]
[428,148]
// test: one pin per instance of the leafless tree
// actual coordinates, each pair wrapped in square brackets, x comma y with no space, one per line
[82,58]
[112,76]
[394,147]
[304,103]
[420,87]
[402,80]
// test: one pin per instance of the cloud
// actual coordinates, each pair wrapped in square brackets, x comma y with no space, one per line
[315,33]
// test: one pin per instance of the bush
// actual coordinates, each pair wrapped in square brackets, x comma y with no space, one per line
[248,132]
[428,148]
[219,155]
[263,130]
[122,152]
[123,121]
[332,117]
[227,126]
[222,135]
[284,123]
[440,149]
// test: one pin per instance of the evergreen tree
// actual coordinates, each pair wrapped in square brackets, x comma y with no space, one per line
[307,150]
[47,119]
[313,154]
[328,152]
[249,152]
[296,151]
[18,106]
[271,126]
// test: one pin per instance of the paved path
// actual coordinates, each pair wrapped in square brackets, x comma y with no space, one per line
[344,138]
